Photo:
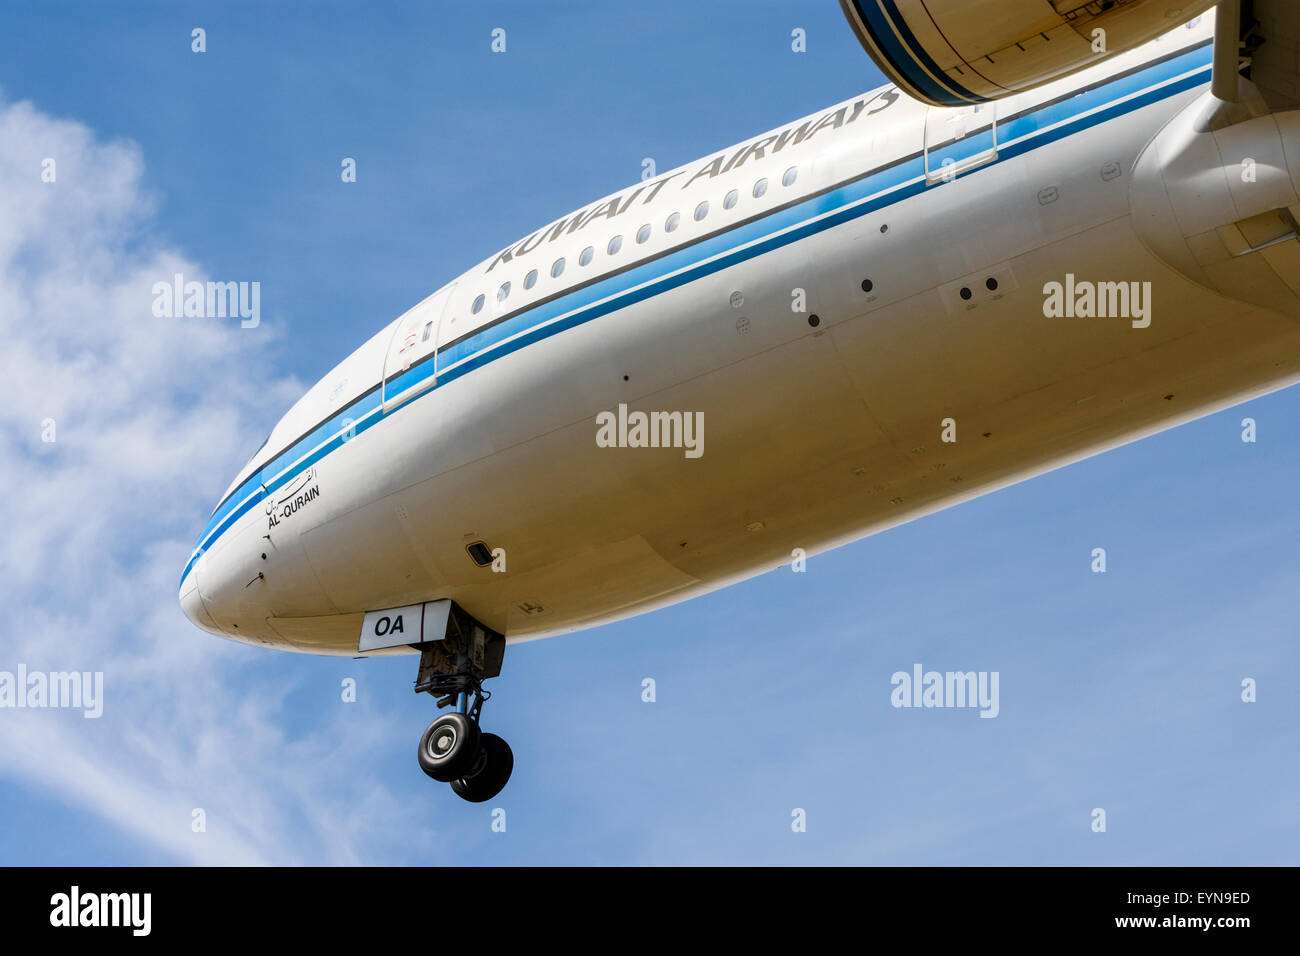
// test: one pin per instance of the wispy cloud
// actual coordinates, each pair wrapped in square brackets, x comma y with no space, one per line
[150,418]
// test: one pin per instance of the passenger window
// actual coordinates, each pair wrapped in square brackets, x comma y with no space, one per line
[615,244]
[584,257]
[557,267]
[428,327]
[790,175]
[760,187]
[672,222]
[701,210]
[643,233]
[478,305]
[732,198]
[530,280]
[503,291]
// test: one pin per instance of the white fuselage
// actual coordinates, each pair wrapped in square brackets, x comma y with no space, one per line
[454,426]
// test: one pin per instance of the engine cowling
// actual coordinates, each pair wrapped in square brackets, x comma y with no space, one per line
[1219,201]
[957,52]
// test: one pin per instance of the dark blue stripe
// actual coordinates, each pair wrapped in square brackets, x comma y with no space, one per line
[908,57]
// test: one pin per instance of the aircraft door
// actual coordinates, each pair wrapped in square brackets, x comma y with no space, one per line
[959,139]
[410,365]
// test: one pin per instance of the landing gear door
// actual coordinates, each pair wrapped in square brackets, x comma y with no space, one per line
[959,139]
[410,364]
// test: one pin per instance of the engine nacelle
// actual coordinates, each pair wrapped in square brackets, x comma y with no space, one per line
[1219,203]
[957,52]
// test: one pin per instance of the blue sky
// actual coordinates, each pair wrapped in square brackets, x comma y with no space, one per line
[1119,691]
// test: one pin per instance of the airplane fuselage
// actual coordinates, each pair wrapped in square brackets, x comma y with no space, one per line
[915,307]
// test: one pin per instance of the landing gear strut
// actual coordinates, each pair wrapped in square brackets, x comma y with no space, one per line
[453,749]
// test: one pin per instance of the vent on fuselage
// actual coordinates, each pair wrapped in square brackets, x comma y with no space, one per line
[480,553]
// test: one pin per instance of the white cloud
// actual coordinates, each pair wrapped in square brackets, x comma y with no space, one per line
[152,417]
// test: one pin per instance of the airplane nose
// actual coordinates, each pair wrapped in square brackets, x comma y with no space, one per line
[193,607]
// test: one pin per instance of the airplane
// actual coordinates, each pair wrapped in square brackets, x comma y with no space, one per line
[1063,225]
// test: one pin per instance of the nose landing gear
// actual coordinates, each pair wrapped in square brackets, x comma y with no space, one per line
[453,749]
[488,776]
[449,747]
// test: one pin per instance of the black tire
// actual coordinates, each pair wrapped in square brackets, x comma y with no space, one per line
[449,747]
[490,772]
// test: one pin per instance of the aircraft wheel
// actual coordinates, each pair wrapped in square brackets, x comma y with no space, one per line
[489,773]
[449,747]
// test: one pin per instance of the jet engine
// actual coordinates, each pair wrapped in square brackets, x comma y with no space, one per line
[958,52]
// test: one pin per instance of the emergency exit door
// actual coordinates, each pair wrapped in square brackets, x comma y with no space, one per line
[410,367]
[959,139]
